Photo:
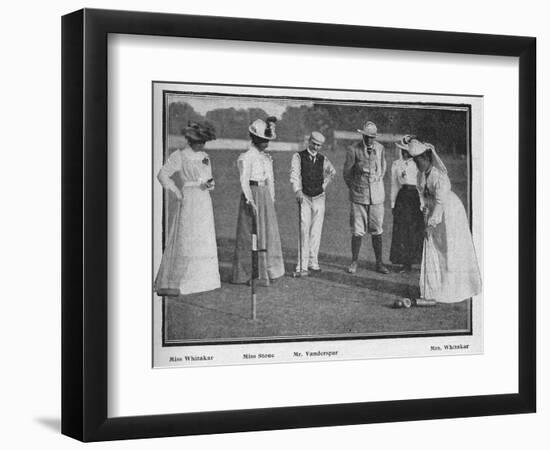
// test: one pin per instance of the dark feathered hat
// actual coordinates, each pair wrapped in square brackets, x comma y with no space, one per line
[199,131]
[264,129]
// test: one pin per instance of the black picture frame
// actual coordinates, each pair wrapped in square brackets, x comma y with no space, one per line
[84,224]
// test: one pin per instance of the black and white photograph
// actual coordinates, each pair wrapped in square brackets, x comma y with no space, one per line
[294,225]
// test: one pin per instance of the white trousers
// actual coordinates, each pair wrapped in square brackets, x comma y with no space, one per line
[313,214]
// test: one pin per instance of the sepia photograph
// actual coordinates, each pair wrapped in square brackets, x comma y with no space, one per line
[305,224]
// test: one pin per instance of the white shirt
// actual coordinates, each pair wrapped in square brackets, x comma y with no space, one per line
[403,171]
[296,172]
[434,189]
[191,166]
[255,166]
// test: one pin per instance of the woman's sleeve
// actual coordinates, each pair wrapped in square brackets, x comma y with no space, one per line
[271,180]
[244,175]
[442,188]
[420,190]
[207,172]
[295,173]
[172,165]
[394,183]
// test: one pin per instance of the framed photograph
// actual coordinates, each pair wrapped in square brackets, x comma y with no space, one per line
[336,221]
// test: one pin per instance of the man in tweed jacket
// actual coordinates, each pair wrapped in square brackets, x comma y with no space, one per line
[364,172]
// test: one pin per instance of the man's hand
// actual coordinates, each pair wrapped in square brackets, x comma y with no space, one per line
[299,196]
[178,194]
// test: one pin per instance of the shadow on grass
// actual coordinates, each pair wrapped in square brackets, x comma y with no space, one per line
[334,272]
[328,303]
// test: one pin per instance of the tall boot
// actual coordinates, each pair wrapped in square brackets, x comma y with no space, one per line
[377,247]
[355,248]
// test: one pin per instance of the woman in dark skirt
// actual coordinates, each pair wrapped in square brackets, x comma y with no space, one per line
[257,201]
[408,221]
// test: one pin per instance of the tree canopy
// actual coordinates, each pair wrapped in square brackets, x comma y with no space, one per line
[446,129]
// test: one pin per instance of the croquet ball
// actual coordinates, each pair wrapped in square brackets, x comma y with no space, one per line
[407,303]
[398,303]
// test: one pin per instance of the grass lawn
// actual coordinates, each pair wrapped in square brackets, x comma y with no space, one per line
[314,306]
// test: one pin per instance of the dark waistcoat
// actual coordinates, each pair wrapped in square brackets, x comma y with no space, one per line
[312,173]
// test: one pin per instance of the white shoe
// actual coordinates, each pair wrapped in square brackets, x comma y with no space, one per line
[352,267]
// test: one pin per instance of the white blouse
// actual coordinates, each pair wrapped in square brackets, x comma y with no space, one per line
[433,190]
[194,168]
[255,166]
[403,171]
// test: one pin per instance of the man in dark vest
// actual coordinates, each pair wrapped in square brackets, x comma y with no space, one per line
[310,173]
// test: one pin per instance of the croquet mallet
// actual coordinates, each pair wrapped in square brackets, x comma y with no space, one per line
[255,264]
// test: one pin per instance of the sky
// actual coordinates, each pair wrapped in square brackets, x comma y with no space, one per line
[203,104]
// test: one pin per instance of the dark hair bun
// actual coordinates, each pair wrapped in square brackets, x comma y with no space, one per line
[199,131]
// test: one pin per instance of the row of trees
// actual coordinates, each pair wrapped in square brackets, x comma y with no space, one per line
[444,128]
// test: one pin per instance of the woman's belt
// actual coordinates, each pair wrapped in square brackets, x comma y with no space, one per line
[257,183]
[409,186]
[192,183]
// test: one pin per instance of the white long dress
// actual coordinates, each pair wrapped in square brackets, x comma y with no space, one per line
[449,271]
[190,259]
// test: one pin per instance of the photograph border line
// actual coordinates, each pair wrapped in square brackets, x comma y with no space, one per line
[460,107]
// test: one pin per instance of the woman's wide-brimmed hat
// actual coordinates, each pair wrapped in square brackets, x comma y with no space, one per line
[264,129]
[199,131]
[404,142]
[417,148]
[369,129]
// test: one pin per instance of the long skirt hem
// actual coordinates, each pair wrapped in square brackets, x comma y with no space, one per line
[270,262]
[408,229]
[449,272]
[190,260]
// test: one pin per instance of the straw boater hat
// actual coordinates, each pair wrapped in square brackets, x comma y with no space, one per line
[317,137]
[369,129]
[201,132]
[264,129]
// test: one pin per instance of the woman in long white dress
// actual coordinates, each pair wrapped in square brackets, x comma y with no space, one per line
[449,270]
[190,259]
